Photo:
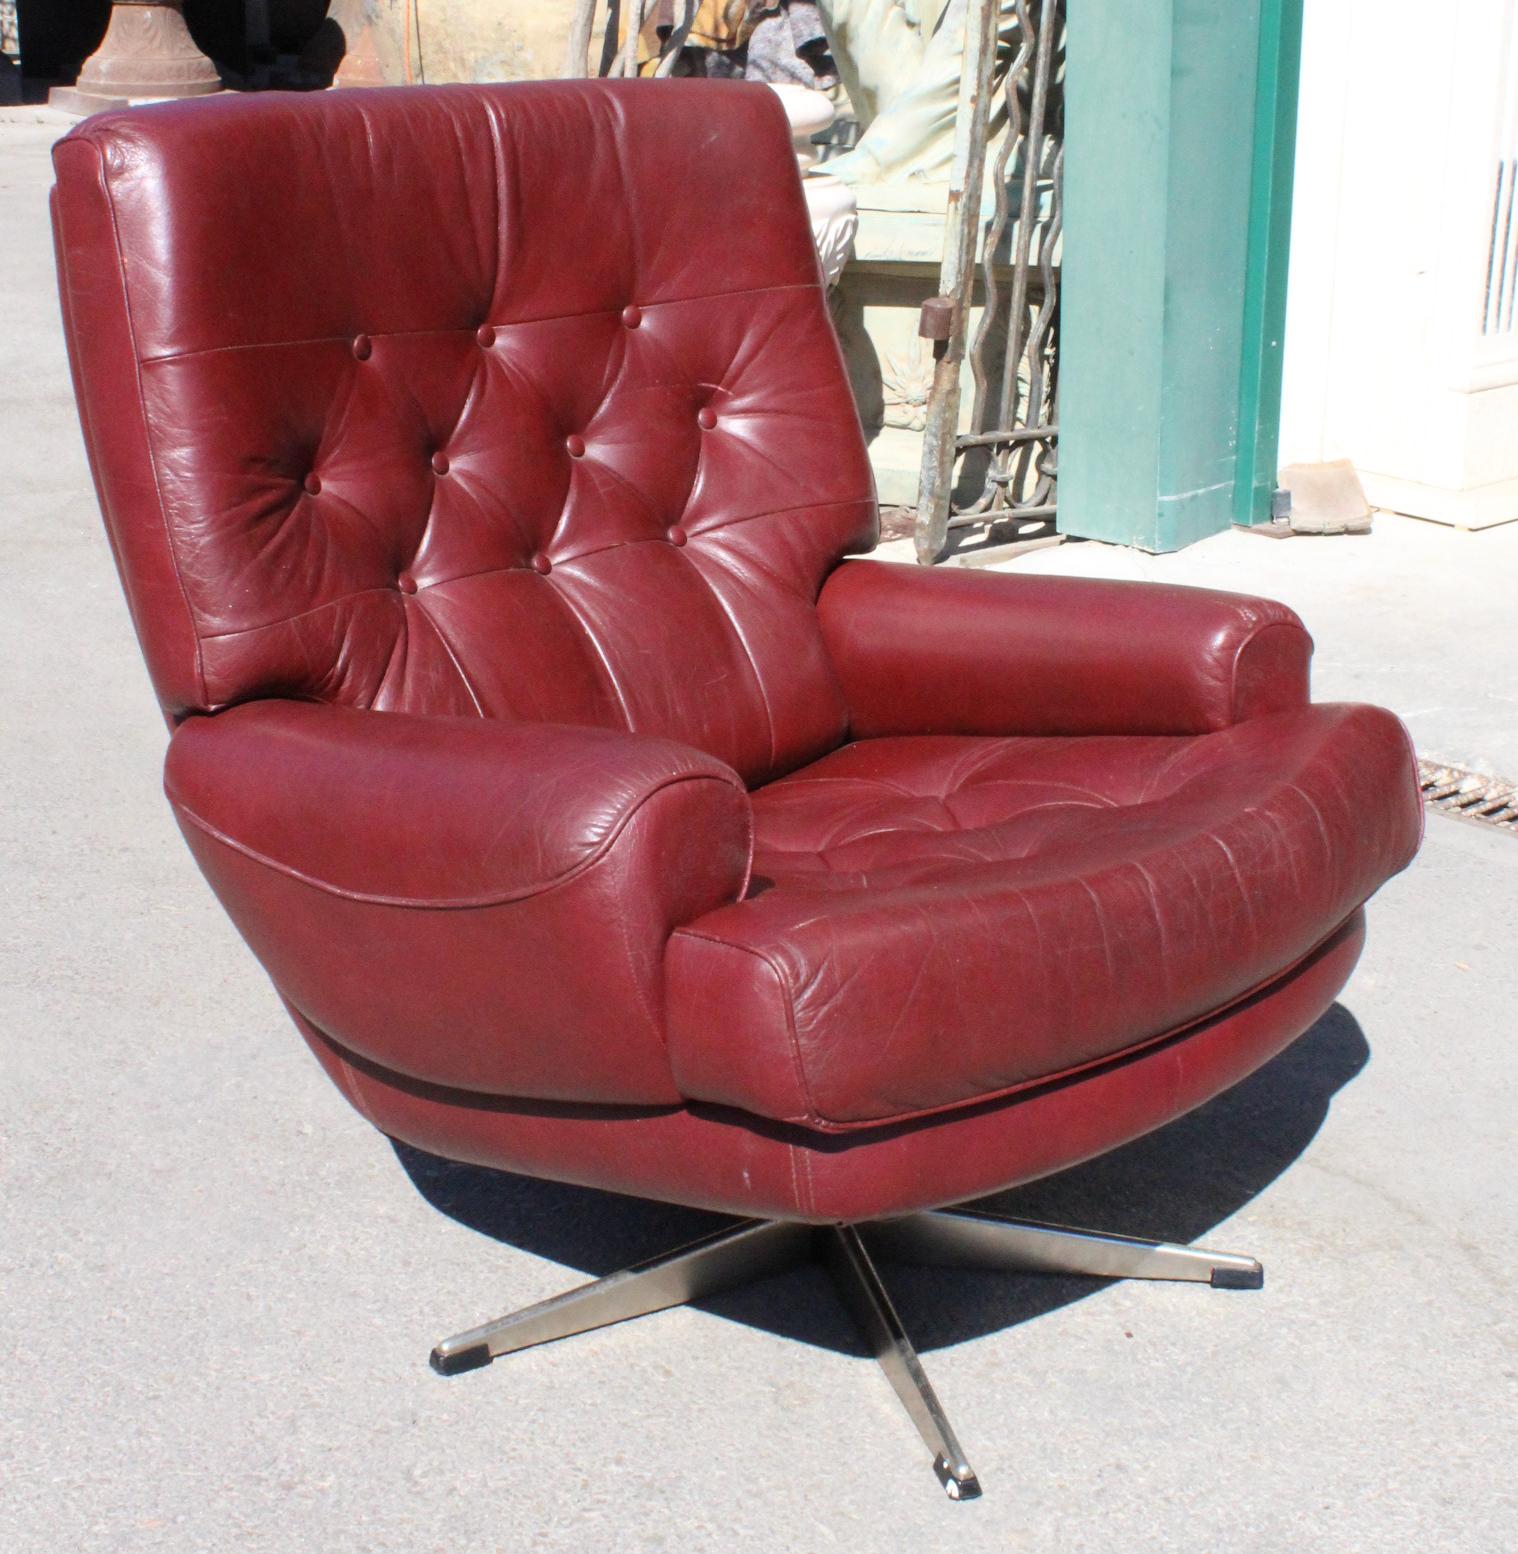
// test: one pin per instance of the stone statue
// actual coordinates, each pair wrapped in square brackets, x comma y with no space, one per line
[830,202]
[901,61]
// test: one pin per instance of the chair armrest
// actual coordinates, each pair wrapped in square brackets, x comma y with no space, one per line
[472,903]
[954,651]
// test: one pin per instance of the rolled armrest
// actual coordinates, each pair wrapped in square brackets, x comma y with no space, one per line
[954,651]
[472,903]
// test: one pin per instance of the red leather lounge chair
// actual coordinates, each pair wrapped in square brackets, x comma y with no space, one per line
[481,482]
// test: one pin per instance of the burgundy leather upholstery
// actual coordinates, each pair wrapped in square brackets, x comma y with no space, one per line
[716,1159]
[446,412]
[481,489]
[996,654]
[938,919]
[453,861]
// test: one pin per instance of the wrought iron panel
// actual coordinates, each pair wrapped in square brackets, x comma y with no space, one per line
[1002,469]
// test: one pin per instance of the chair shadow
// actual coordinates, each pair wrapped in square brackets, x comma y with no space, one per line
[1175,1184]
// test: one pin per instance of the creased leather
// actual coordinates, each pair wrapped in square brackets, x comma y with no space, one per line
[422,884]
[733,1163]
[937,919]
[352,480]
[956,651]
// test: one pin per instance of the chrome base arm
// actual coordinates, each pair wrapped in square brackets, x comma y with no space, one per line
[859,1285]
[738,1254]
[754,1249]
[971,1238]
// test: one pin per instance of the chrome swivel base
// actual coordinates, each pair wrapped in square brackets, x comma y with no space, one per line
[753,1249]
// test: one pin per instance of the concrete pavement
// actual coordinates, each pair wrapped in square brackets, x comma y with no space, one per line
[218,1285]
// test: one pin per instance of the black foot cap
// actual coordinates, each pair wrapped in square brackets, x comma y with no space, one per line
[1238,1279]
[961,1486]
[464,1360]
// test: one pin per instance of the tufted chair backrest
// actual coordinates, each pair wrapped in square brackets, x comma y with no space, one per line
[519,401]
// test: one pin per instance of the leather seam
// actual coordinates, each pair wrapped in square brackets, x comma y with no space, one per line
[346,1077]
[611,110]
[657,1027]
[355,1094]
[142,411]
[773,512]
[1234,716]
[692,534]
[563,564]
[498,188]
[1417,787]
[462,329]
[445,903]
[798,1066]
[835,1127]
[599,649]
[453,657]
[810,1203]
[300,615]
[748,658]
[350,1086]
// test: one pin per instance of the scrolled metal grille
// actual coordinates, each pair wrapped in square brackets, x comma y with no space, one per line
[1005,464]
[1017,424]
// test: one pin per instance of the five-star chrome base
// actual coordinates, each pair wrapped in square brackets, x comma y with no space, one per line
[753,1249]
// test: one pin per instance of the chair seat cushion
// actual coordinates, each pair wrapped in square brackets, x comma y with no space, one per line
[934,921]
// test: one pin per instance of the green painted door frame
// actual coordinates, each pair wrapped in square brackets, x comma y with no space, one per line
[1180,134]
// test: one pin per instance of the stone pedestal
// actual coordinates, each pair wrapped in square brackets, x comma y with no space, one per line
[147,52]
[895,268]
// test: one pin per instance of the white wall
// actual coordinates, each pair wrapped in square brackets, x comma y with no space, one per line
[1401,330]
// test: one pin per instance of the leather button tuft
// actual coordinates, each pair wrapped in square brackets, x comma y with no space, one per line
[363,346]
[485,335]
[677,535]
[312,483]
[439,463]
[632,316]
[576,445]
[707,417]
[406,583]
[541,564]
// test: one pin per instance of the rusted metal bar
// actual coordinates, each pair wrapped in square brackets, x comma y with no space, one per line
[1002,210]
[576,58]
[961,228]
[1027,511]
[629,61]
[1012,435]
[1008,472]
[610,56]
[936,318]
[1032,156]
[670,48]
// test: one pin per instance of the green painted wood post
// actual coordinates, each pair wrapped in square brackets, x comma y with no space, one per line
[1275,148]
[1180,133]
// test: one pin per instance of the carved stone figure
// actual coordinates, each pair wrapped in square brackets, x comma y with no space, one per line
[901,61]
[830,202]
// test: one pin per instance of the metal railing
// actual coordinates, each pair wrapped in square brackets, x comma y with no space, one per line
[1002,469]
[624,21]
